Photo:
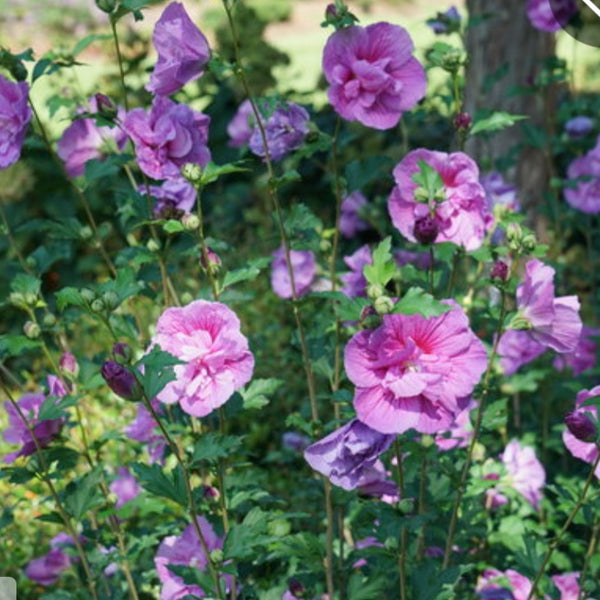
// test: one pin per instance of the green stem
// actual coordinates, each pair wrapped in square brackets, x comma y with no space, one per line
[204,248]
[476,430]
[113,26]
[403,544]
[566,525]
[591,551]
[189,492]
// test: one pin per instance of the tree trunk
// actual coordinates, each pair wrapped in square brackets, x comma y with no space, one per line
[506,53]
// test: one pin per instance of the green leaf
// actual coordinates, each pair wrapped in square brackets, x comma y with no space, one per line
[247,273]
[255,394]
[84,42]
[173,226]
[157,370]
[418,302]
[125,285]
[69,296]
[26,284]
[212,172]
[243,538]
[167,485]
[346,309]
[54,407]
[82,494]
[359,173]
[15,345]
[361,587]
[495,122]
[288,177]
[428,179]
[213,446]
[495,415]
[303,228]
[384,267]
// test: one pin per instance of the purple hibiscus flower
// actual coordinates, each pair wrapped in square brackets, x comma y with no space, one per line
[167,137]
[345,454]
[304,268]
[15,115]
[183,51]
[583,191]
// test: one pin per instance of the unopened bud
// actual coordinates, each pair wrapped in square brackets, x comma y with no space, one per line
[153,245]
[49,320]
[421,195]
[383,305]
[581,426]
[121,381]
[296,588]
[110,299]
[85,233]
[462,121]
[88,295]
[98,305]
[68,365]
[426,230]
[31,330]
[366,312]
[499,271]
[122,353]
[374,291]
[106,107]
[529,242]
[192,172]
[210,261]
[107,6]
[17,299]
[190,222]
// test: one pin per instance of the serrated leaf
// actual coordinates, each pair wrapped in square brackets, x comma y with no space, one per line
[247,273]
[346,309]
[384,267]
[496,122]
[14,345]
[82,494]
[54,407]
[69,296]
[213,446]
[157,370]
[167,485]
[418,302]
[26,284]
[255,394]
[302,228]
[359,173]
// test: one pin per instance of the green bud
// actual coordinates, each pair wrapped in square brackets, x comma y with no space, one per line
[383,305]
[529,242]
[153,245]
[86,232]
[107,6]
[514,232]
[192,172]
[31,262]
[98,305]
[88,295]
[216,556]
[17,299]
[374,291]
[31,298]
[31,330]
[49,320]
[190,222]
[421,195]
[110,299]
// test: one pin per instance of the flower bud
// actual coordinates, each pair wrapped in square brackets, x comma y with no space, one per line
[210,261]
[110,299]
[98,305]
[462,121]
[366,312]
[499,271]
[383,305]
[153,245]
[88,295]
[107,6]
[529,242]
[85,233]
[122,353]
[374,290]
[31,330]
[192,172]
[581,426]
[49,320]
[68,365]
[190,222]
[121,381]
[17,299]
[296,588]
[426,230]
[106,107]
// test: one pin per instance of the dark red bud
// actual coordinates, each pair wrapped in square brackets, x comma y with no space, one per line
[121,380]
[499,271]
[462,121]
[581,426]
[426,230]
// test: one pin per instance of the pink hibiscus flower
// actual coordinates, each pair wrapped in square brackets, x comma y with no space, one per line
[410,372]
[217,361]
[462,216]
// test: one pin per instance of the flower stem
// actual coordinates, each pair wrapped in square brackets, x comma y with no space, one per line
[566,525]
[402,553]
[476,431]
[113,26]
[192,508]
